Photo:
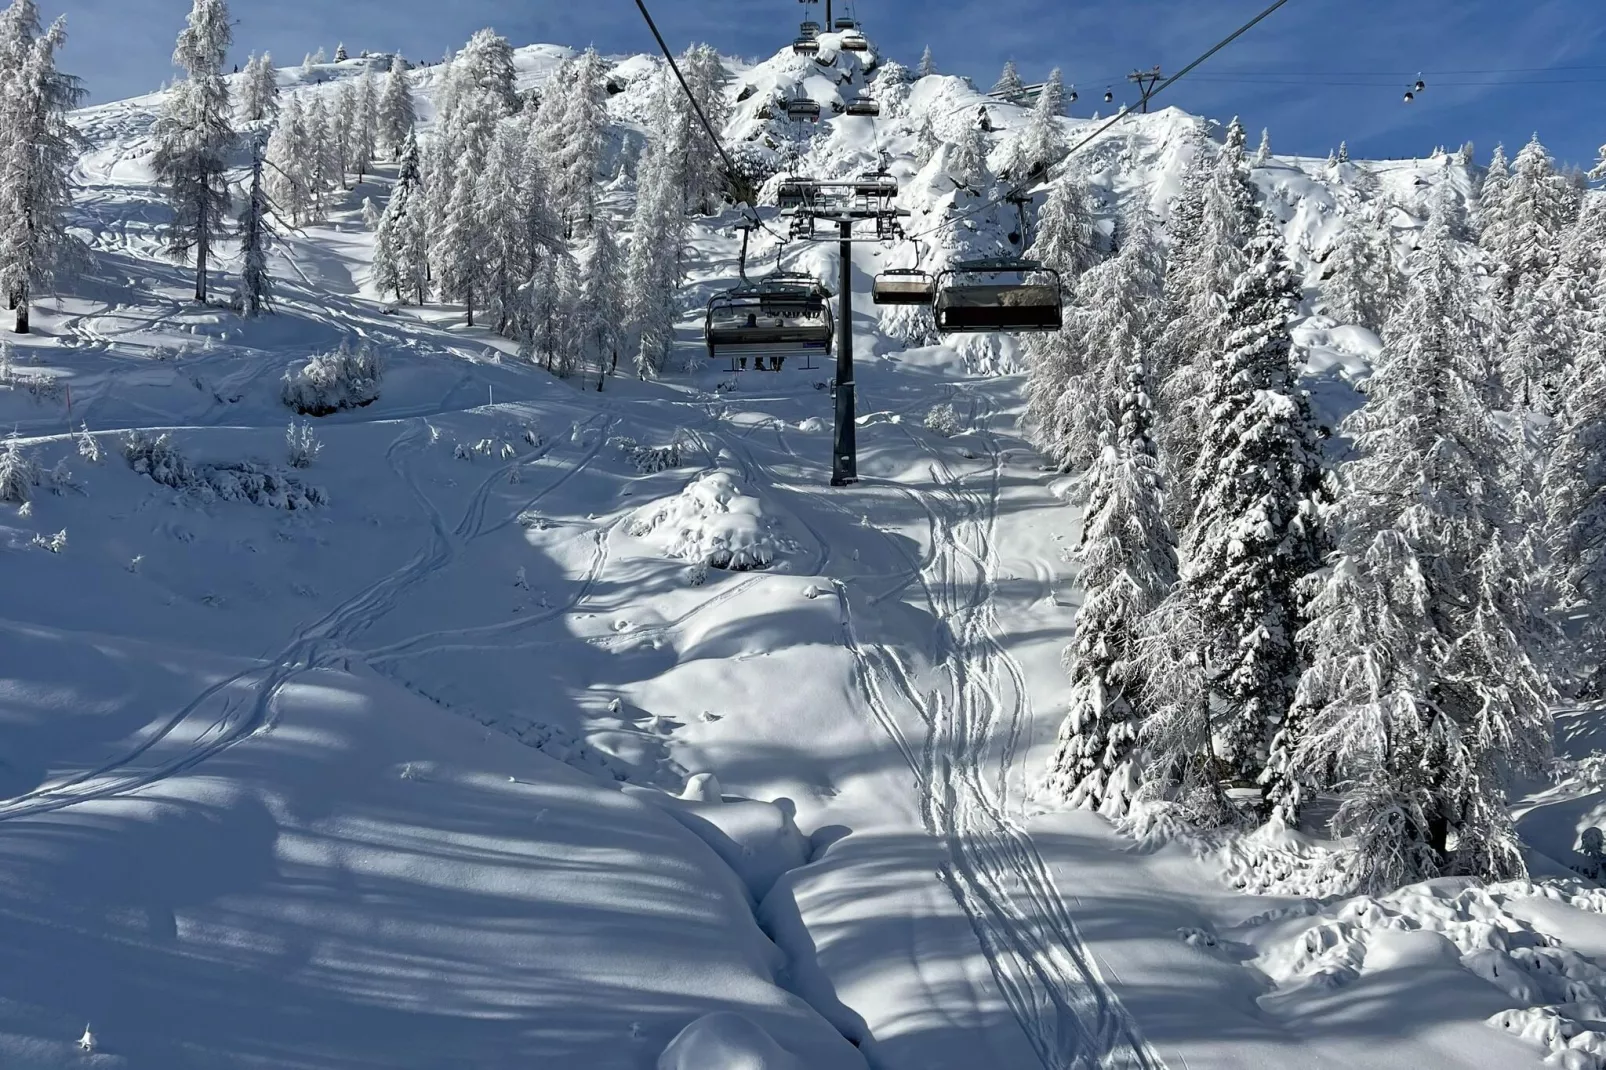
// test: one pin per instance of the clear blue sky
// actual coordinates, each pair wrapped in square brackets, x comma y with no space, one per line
[1290,74]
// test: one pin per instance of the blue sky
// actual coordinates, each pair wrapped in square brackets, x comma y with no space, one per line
[1315,72]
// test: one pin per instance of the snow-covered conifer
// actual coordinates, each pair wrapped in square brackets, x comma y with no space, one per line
[194,136]
[484,66]
[573,168]
[1539,204]
[343,128]
[396,114]
[364,131]
[1129,564]
[598,310]
[1488,217]
[325,166]
[340,52]
[1422,698]
[1041,143]
[400,261]
[289,158]
[501,214]
[19,473]
[1263,153]
[255,294]
[1360,275]
[1343,152]
[459,250]
[705,175]
[1009,84]
[653,267]
[928,67]
[37,155]
[259,92]
[967,159]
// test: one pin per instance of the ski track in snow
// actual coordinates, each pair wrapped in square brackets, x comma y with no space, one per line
[322,644]
[994,872]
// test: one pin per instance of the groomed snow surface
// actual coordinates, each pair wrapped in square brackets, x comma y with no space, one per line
[531,726]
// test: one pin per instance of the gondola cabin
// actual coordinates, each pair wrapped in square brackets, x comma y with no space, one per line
[902,286]
[970,297]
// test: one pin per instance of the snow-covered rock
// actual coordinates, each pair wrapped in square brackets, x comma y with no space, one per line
[713,521]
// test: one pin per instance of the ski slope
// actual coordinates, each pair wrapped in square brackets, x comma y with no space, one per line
[464,768]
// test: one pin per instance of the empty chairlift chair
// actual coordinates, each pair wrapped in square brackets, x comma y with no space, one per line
[854,41]
[794,193]
[811,30]
[803,110]
[844,22]
[969,297]
[902,286]
[768,321]
[806,46]
[863,106]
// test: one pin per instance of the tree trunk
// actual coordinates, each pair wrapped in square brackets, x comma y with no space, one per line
[200,266]
[468,300]
[22,316]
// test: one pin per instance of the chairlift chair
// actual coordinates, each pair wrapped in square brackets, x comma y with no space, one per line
[794,193]
[803,110]
[902,286]
[845,22]
[1024,305]
[809,29]
[780,316]
[864,106]
[854,41]
[805,46]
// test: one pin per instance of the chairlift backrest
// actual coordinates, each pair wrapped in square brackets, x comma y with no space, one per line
[863,106]
[802,109]
[853,41]
[902,286]
[846,22]
[964,304]
[805,46]
[809,29]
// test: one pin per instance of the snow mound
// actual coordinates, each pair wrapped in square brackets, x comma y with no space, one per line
[331,382]
[1491,932]
[758,840]
[713,522]
[725,1041]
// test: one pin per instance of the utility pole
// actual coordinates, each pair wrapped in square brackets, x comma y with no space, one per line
[1146,81]
[844,448]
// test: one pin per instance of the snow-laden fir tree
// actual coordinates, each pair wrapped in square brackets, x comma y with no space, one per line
[705,174]
[967,159]
[38,150]
[1422,695]
[928,66]
[400,262]
[1128,565]
[1042,142]
[19,473]
[1539,203]
[1198,286]
[891,87]
[259,89]
[1009,85]
[1057,359]
[571,121]
[1252,539]
[1176,345]
[342,128]
[485,65]
[927,141]
[1489,213]
[598,309]
[255,292]
[20,26]
[653,267]
[1263,153]
[289,160]
[324,165]
[340,52]
[458,255]
[551,336]
[1359,273]
[364,131]
[396,115]
[194,137]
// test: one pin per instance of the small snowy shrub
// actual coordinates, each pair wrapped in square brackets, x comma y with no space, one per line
[331,382]
[134,563]
[55,544]
[88,448]
[712,522]
[303,444]
[18,473]
[244,481]
[1592,845]
[650,459]
[943,420]
[158,458]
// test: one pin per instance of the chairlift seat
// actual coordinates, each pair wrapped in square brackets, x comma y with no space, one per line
[846,22]
[902,286]
[768,320]
[855,42]
[805,46]
[803,110]
[999,307]
[864,106]
[794,193]
[811,30]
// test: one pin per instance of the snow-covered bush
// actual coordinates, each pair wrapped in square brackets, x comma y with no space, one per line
[55,544]
[943,420]
[712,522]
[331,382]
[88,448]
[302,443]
[159,459]
[650,459]
[19,473]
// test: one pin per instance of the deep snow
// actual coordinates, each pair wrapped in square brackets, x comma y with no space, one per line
[412,778]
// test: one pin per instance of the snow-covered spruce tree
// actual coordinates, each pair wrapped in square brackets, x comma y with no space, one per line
[928,66]
[459,252]
[1489,213]
[1359,275]
[259,90]
[396,115]
[1176,345]
[598,309]
[890,87]
[1539,204]
[342,128]
[289,159]
[255,293]
[1263,153]
[19,473]
[37,155]
[1422,698]
[484,66]
[1129,564]
[1041,143]
[364,131]
[1197,291]
[1251,541]
[194,136]
[400,264]
[340,53]
[20,26]
[549,331]
[927,141]
[1009,84]
[653,267]
[967,159]
[705,175]
[325,165]
[584,121]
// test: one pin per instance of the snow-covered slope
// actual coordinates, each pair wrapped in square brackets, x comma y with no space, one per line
[409,778]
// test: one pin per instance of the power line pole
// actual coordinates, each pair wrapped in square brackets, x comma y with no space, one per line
[1146,81]
[844,448]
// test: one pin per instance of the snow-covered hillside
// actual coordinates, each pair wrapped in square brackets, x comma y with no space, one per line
[523,723]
